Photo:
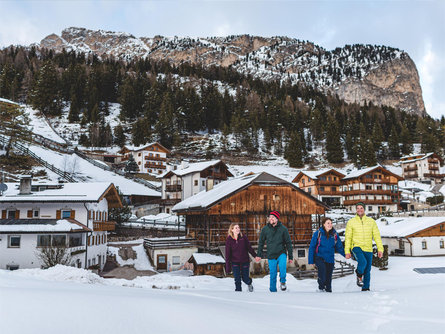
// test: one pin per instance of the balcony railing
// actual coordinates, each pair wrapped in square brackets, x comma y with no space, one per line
[369,180]
[330,192]
[433,161]
[153,165]
[155,158]
[329,183]
[370,192]
[433,167]
[410,168]
[436,175]
[104,226]
[371,201]
[173,188]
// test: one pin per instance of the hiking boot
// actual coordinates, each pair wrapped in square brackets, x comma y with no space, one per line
[365,289]
[319,290]
[283,286]
[359,279]
[250,287]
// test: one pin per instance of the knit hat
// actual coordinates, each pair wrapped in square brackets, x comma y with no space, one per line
[360,203]
[275,213]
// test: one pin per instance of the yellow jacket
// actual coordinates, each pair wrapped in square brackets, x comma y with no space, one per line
[360,232]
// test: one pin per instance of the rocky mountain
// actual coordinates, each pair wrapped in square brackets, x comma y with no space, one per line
[357,73]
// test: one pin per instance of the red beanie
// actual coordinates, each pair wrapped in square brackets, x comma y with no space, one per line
[275,213]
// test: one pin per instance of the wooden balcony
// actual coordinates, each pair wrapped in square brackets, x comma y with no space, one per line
[173,188]
[384,180]
[329,183]
[369,192]
[371,201]
[104,226]
[153,165]
[155,158]
[433,167]
[433,161]
[410,168]
[435,175]
[330,192]
[411,175]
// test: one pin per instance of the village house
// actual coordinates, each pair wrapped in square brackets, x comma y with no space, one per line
[207,264]
[375,186]
[247,201]
[325,185]
[413,236]
[190,179]
[150,158]
[422,167]
[170,253]
[68,215]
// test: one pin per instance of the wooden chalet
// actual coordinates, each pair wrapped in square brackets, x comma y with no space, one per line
[376,186]
[207,264]
[151,158]
[247,201]
[325,185]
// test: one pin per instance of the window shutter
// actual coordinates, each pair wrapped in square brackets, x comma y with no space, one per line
[3,214]
[17,214]
[58,214]
[29,213]
[73,214]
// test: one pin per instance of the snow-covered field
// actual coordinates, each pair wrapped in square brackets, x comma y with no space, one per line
[70,300]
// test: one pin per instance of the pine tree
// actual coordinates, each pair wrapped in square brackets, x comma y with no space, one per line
[131,166]
[393,144]
[334,147]
[45,94]
[119,136]
[14,123]
[293,151]
[405,138]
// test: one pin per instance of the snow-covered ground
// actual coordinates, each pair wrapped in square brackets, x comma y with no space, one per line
[76,301]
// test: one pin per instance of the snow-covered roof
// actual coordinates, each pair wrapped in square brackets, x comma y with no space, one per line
[414,157]
[205,258]
[405,226]
[205,199]
[314,174]
[39,225]
[7,101]
[70,192]
[195,167]
[140,147]
[159,217]
[360,172]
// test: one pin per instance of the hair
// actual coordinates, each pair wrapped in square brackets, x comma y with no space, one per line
[324,220]
[229,232]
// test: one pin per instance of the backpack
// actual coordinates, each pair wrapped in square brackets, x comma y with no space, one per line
[318,241]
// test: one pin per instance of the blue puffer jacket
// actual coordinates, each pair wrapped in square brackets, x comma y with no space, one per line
[327,246]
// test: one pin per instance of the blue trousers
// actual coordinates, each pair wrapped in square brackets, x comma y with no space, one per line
[273,266]
[241,271]
[324,274]
[364,260]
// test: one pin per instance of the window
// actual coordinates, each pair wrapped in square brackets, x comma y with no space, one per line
[203,183]
[441,244]
[14,241]
[441,228]
[167,210]
[301,253]
[333,188]
[196,182]
[35,213]
[309,190]
[369,208]
[321,188]
[424,244]
[66,214]
[43,240]
[401,244]
[11,214]
[176,260]
[89,262]
[59,240]
[76,240]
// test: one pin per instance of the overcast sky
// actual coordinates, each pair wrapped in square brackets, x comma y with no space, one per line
[415,26]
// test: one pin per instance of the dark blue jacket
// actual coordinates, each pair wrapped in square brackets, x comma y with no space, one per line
[327,247]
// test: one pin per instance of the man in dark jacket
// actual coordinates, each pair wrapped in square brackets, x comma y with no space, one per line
[277,238]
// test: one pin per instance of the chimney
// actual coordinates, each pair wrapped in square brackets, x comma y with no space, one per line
[25,185]
[184,164]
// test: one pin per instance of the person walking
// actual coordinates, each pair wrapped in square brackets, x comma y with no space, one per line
[360,231]
[237,257]
[324,243]
[278,241]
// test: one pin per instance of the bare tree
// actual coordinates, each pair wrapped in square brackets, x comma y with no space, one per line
[53,255]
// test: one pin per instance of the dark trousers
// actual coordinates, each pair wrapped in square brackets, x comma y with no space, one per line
[241,271]
[324,274]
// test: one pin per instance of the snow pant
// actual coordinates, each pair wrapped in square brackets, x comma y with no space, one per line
[273,266]
[324,274]
[364,260]
[241,271]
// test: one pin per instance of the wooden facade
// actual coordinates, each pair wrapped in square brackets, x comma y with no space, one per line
[325,185]
[249,207]
[377,187]
[212,269]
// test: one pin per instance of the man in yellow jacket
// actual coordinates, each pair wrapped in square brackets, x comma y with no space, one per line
[360,231]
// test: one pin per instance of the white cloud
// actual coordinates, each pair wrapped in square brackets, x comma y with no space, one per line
[430,68]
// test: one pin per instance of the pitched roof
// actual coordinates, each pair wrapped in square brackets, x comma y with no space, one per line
[406,226]
[142,147]
[70,192]
[205,258]
[314,174]
[206,199]
[41,225]
[194,168]
[416,157]
[359,172]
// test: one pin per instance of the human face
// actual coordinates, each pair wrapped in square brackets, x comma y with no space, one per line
[360,210]
[273,220]
[236,230]
[328,225]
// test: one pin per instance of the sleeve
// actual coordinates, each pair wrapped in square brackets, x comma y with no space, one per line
[228,257]
[250,249]
[376,236]
[348,237]
[288,242]
[261,243]
[339,245]
[312,247]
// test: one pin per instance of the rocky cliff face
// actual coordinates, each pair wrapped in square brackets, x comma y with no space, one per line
[357,73]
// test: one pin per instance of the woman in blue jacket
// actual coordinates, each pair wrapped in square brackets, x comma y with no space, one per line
[324,243]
